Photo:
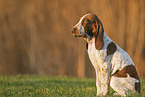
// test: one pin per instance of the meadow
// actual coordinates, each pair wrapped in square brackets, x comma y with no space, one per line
[46,86]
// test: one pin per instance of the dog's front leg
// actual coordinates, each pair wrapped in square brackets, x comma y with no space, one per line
[98,82]
[105,78]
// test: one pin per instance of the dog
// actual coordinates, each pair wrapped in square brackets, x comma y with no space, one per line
[113,66]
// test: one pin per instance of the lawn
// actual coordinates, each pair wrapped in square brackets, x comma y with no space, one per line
[45,86]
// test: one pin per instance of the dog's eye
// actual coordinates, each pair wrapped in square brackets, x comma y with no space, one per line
[90,33]
[87,25]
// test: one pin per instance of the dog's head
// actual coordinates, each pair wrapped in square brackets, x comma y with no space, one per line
[90,27]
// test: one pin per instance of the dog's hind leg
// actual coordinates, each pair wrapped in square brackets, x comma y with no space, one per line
[119,86]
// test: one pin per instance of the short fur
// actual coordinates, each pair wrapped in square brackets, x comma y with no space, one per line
[113,65]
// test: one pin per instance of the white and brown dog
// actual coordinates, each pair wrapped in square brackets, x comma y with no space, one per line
[113,65]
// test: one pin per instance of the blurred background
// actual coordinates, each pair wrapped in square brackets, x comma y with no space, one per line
[36,38]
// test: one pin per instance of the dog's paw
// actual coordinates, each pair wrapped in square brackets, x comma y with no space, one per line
[117,94]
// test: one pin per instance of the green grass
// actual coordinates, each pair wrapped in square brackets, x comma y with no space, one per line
[45,86]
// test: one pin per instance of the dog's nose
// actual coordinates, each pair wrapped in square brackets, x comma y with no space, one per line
[73,30]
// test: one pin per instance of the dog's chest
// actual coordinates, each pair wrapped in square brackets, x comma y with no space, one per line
[99,57]
[96,56]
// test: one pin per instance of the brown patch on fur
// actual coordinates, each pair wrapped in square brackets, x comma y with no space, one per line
[87,24]
[130,70]
[99,43]
[137,87]
[93,27]
[99,32]
[111,48]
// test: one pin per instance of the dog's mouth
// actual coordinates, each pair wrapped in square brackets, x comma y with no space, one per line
[77,35]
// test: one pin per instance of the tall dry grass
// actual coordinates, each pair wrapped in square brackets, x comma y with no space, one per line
[35,36]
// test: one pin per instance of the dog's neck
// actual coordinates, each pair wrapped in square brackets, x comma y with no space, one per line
[93,39]
[90,41]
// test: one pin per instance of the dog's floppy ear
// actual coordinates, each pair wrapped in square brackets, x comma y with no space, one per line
[98,31]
